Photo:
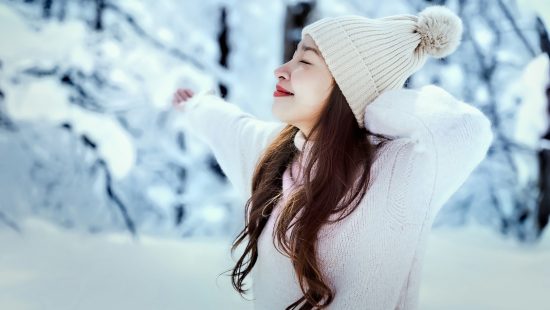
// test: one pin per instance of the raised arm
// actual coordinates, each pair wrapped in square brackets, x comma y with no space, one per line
[452,136]
[236,138]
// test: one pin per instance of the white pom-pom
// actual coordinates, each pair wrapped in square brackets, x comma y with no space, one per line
[440,30]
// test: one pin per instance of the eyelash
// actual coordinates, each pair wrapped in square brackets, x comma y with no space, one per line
[307,63]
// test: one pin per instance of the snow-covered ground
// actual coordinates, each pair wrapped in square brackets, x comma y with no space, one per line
[49,268]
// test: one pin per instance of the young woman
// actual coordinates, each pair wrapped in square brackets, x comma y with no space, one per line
[343,191]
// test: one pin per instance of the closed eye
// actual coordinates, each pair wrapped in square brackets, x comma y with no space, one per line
[307,63]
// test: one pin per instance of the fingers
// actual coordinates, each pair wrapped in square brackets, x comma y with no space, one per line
[182,95]
[185,92]
[189,92]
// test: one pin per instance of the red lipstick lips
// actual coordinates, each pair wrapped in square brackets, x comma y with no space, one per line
[280,92]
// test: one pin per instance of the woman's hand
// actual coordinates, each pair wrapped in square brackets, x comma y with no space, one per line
[181,96]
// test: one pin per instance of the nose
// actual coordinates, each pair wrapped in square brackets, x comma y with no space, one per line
[281,72]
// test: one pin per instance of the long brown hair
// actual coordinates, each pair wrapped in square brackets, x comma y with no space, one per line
[339,153]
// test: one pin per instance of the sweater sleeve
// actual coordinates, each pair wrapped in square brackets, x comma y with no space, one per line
[236,138]
[450,135]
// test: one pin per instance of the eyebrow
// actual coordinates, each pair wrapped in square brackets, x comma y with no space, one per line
[309,48]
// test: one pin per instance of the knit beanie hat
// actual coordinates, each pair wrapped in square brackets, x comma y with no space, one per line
[369,56]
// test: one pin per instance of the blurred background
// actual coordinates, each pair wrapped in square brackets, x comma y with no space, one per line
[108,202]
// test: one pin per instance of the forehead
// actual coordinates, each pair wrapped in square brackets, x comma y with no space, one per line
[307,38]
[308,41]
[307,44]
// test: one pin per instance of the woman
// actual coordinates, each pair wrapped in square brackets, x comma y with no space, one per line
[343,192]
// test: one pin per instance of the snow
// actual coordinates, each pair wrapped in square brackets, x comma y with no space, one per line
[532,116]
[45,101]
[64,47]
[49,268]
[539,6]
[473,268]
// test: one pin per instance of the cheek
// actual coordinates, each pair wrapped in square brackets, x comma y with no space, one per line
[311,98]
[311,84]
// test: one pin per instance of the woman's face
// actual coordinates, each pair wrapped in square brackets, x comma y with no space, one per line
[307,76]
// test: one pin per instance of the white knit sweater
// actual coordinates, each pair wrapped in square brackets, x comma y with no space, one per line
[373,258]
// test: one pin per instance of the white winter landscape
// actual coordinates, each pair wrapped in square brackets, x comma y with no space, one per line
[107,202]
